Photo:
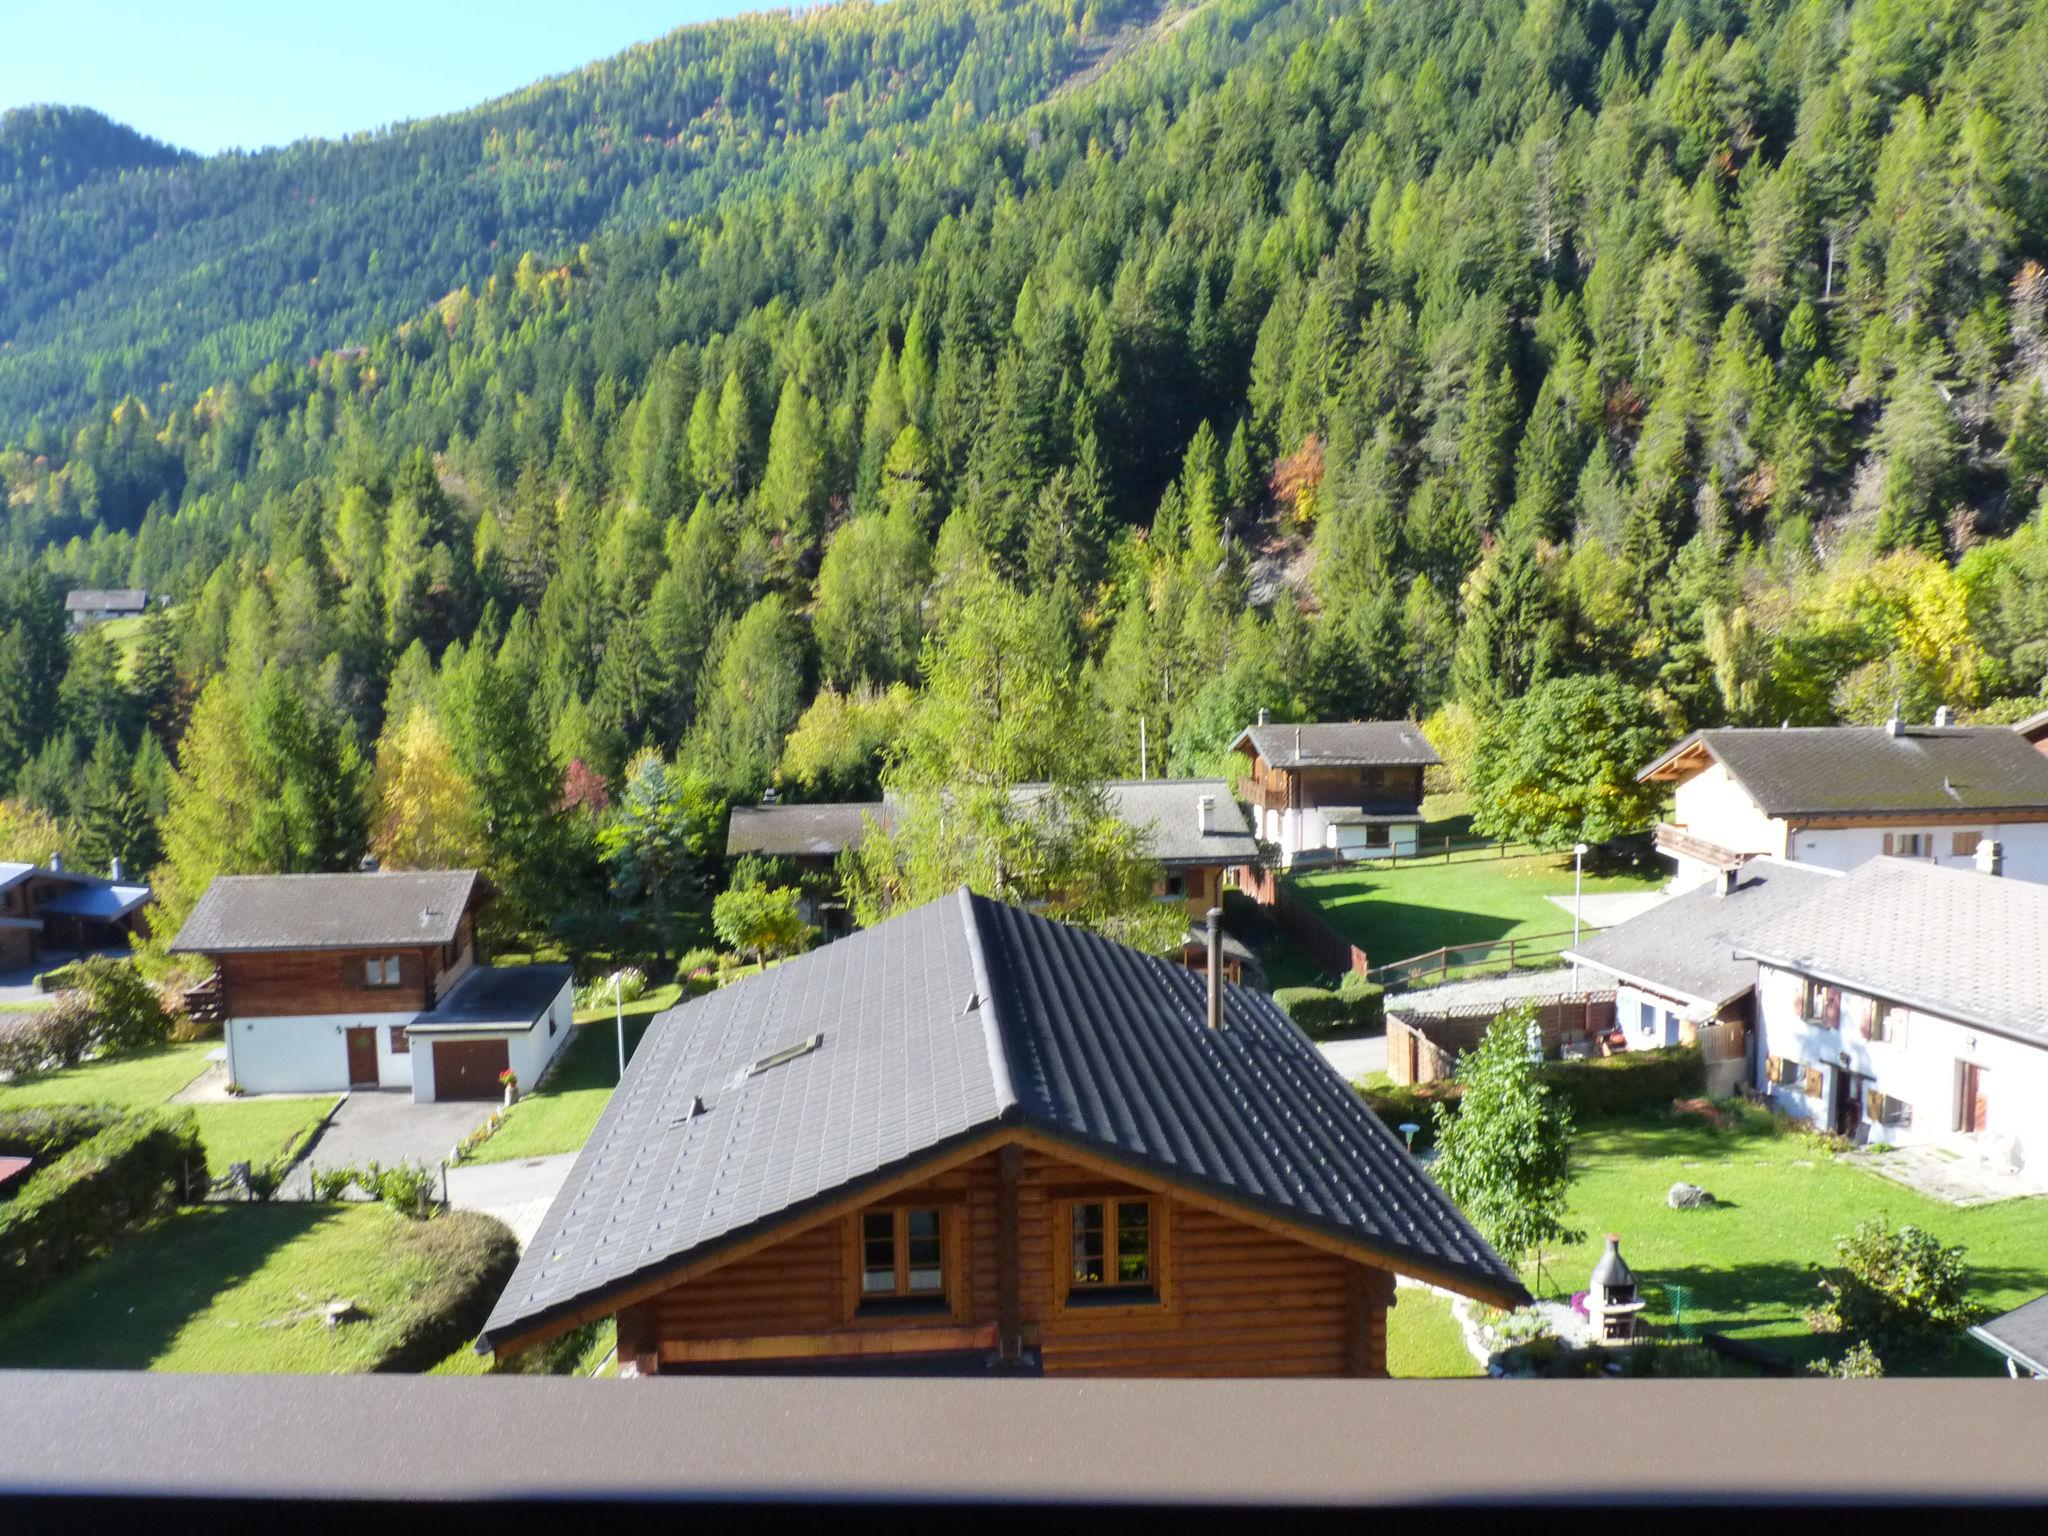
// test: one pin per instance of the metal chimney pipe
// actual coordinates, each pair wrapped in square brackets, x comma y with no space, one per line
[1215,967]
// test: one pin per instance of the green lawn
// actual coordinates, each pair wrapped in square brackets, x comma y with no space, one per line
[1744,1263]
[1395,912]
[229,1288]
[560,1114]
[255,1131]
[1424,1339]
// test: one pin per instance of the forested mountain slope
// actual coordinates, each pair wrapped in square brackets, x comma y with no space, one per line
[1602,369]
[121,272]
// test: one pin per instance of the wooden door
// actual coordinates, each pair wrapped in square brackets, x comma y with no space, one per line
[1976,1105]
[362,1058]
[468,1069]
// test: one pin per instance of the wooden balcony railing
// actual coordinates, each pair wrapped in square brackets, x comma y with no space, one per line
[207,1003]
[1681,844]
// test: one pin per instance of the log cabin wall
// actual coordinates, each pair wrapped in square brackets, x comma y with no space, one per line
[1235,1300]
[307,982]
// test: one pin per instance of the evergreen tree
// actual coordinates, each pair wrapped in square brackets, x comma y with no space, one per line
[752,696]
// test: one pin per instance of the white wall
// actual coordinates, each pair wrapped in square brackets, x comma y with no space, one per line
[1351,841]
[1713,806]
[1629,1002]
[1922,1069]
[309,1054]
[2025,846]
[527,1051]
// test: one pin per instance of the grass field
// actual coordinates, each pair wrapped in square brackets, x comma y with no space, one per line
[1746,1263]
[228,1288]
[1395,912]
[560,1114]
[252,1132]
[1424,1339]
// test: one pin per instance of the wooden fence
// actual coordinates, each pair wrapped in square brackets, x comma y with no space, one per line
[1327,950]
[1466,959]
[1424,1048]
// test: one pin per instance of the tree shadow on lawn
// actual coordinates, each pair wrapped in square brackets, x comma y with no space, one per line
[124,1310]
[1388,930]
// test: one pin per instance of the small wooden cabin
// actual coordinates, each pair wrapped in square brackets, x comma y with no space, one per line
[972,1140]
[1336,790]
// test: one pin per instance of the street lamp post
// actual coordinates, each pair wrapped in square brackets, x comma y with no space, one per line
[1578,901]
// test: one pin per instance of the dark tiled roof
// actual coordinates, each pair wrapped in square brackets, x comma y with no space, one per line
[1687,945]
[1950,942]
[1844,770]
[1350,744]
[815,831]
[355,911]
[501,997]
[941,1025]
[2020,1335]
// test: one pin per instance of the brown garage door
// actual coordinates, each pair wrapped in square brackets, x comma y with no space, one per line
[468,1069]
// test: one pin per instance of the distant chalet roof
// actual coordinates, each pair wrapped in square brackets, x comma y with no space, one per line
[1350,744]
[398,908]
[1168,810]
[108,600]
[1854,770]
[938,1028]
[1949,942]
[1686,946]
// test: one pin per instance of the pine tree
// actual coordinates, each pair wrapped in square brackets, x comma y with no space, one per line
[108,822]
[792,494]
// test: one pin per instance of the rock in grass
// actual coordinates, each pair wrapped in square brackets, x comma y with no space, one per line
[1687,1197]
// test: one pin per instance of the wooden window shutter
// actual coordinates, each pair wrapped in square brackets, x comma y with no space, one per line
[1887,843]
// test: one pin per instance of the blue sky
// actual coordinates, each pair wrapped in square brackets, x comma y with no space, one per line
[217,74]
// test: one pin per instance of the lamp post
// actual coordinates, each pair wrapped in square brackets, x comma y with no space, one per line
[1578,902]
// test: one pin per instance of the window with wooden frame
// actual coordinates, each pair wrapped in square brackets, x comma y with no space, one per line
[1811,1083]
[383,971]
[903,1265]
[1112,1252]
[1964,844]
[1887,1022]
[401,1043]
[1820,1004]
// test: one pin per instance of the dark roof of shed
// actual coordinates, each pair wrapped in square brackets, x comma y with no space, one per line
[1686,946]
[352,911]
[944,1024]
[1346,744]
[497,997]
[789,831]
[1949,942]
[2020,1335]
[1849,770]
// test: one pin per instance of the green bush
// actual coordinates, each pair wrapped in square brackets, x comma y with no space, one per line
[407,1188]
[51,1131]
[1353,1008]
[1397,1106]
[469,1257]
[1897,1283]
[1627,1083]
[104,1187]
[125,1012]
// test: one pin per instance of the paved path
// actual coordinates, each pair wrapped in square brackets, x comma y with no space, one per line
[1356,1058]
[518,1194]
[385,1126]
[1606,908]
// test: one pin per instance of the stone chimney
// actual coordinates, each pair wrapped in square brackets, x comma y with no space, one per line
[1205,814]
[114,871]
[1944,716]
[1990,856]
[1895,727]
[57,863]
[1724,880]
[1265,715]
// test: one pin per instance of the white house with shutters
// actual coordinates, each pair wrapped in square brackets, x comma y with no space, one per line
[1906,1003]
[1837,796]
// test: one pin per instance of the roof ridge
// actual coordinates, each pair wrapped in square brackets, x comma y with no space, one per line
[1007,1107]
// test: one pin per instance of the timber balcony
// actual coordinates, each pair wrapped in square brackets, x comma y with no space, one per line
[1681,844]
[207,1003]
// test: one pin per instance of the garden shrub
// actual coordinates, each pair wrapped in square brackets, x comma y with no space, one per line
[1322,1012]
[407,1188]
[1894,1282]
[51,1039]
[628,984]
[1628,1083]
[124,1010]
[53,1130]
[468,1258]
[136,1169]
[1397,1105]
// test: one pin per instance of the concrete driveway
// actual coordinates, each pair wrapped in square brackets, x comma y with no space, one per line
[518,1194]
[1356,1058]
[385,1126]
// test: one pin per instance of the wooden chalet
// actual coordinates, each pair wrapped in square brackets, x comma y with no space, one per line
[331,981]
[972,1140]
[1336,790]
[49,911]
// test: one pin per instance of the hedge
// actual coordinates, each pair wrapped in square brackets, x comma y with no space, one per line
[1596,1088]
[107,1185]
[471,1257]
[51,1131]
[1358,1007]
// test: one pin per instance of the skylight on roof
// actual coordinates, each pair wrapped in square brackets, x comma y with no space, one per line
[788,1053]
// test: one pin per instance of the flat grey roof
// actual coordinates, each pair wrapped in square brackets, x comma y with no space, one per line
[1167,810]
[2020,1335]
[1341,744]
[1686,946]
[102,901]
[398,908]
[496,997]
[1849,770]
[1949,942]
[943,1025]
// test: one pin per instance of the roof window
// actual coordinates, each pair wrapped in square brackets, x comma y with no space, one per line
[787,1054]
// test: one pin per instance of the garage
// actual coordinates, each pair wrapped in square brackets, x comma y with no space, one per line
[468,1069]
